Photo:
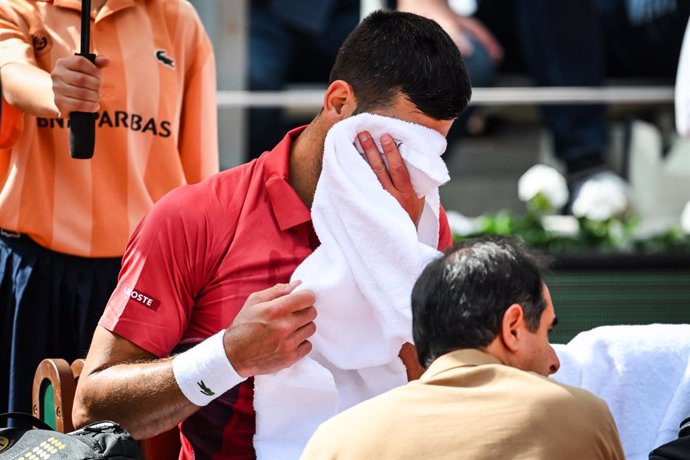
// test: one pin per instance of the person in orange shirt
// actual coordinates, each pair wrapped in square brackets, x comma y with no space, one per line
[64,223]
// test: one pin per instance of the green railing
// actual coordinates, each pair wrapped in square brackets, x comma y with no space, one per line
[609,290]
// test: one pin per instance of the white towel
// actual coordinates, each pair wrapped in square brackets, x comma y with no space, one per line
[643,374]
[362,274]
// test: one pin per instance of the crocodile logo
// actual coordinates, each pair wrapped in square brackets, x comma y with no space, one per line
[204,389]
[161,55]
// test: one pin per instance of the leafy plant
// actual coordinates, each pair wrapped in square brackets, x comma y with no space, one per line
[614,232]
[612,235]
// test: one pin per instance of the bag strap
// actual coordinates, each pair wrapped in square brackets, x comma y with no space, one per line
[27,418]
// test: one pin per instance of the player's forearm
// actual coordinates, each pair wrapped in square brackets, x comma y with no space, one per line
[142,397]
[29,89]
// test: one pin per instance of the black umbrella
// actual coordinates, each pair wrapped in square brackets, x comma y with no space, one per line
[82,125]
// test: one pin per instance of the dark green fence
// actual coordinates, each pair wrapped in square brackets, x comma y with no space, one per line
[590,291]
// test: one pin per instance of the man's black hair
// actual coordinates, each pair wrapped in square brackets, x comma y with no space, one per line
[460,298]
[392,52]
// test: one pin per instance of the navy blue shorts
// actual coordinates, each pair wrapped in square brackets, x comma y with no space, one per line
[50,304]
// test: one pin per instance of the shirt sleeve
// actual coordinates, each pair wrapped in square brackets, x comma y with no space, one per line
[199,119]
[15,39]
[15,47]
[163,270]
[683,88]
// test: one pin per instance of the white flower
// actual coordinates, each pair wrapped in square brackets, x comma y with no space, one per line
[561,225]
[601,197]
[545,180]
[685,219]
[460,224]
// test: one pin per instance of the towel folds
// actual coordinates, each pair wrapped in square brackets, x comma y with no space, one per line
[362,274]
[643,374]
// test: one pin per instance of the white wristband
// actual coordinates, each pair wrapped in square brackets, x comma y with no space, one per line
[204,372]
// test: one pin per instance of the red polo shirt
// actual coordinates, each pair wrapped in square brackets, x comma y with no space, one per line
[192,263]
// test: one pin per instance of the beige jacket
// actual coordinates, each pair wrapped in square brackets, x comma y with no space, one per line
[469,406]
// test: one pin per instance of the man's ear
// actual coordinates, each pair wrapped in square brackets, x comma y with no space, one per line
[339,101]
[512,327]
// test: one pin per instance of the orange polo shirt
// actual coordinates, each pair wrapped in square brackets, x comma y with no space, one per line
[156,128]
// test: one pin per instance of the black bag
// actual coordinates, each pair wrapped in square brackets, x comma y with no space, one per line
[678,449]
[100,440]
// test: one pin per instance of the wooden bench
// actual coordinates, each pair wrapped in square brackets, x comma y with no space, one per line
[55,382]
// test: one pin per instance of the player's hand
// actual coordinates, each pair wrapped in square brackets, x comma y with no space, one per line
[395,179]
[271,331]
[408,355]
[77,84]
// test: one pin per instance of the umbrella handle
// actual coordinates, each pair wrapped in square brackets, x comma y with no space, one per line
[82,125]
[82,128]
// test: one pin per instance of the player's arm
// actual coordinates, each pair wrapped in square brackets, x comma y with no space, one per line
[125,383]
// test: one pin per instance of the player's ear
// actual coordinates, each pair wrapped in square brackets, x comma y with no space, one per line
[339,101]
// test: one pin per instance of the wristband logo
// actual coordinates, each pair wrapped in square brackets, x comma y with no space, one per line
[204,389]
[141,297]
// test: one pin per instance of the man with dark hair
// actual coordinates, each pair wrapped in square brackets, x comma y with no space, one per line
[296,41]
[481,316]
[205,269]
[375,60]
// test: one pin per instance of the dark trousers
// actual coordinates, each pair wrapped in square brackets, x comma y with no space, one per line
[580,43]
[50,304]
